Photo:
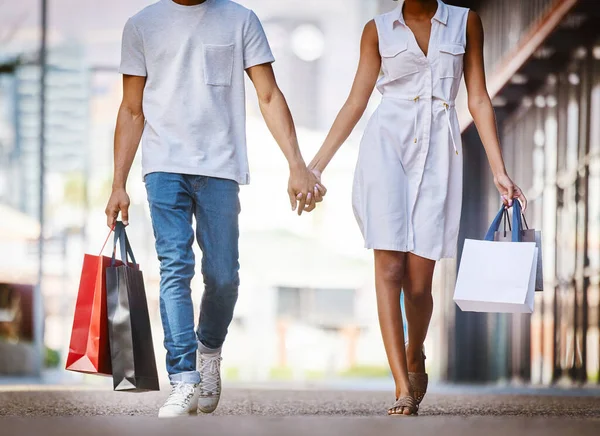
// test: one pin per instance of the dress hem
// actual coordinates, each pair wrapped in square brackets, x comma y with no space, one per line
[403,249]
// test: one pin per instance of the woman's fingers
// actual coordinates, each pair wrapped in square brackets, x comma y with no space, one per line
[310,207]
[519,194]
[308,202]
[318,195]
[322,189]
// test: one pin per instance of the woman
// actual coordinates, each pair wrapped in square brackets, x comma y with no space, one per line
[408,182]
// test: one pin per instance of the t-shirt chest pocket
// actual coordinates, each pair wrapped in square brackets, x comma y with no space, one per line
[397,61]
[450,63]
[218,64]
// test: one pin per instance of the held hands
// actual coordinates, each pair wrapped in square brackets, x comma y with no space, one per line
[509,191]
[305,189]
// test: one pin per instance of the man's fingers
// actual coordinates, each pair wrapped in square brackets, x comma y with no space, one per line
[293,201]
[302,202]
[125,215]
[111,216]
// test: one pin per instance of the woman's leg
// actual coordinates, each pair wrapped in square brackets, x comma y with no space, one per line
[389,275]
[418,303]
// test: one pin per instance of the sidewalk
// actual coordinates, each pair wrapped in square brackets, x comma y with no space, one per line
[76,401]
[302,426]
[447,411]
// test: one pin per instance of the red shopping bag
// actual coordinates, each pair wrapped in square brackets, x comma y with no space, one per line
[89,350]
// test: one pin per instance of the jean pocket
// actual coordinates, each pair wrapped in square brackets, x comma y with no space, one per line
[218,64]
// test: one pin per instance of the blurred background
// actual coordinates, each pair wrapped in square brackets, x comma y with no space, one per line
[306,311]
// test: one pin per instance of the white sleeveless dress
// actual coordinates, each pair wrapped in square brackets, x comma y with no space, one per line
[407,193]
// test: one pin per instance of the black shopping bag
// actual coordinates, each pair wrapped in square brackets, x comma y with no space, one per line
[131,348]
[527,235]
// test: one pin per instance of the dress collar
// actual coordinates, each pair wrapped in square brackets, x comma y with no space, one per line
[441,14]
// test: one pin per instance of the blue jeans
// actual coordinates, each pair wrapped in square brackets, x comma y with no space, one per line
[174,199]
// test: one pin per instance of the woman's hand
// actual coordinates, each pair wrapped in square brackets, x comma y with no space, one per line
[318,191]
[509,191]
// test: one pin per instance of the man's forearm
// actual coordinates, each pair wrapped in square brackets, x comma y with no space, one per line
[279,121]
[127,138]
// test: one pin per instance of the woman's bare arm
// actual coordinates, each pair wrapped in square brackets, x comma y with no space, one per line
[354,108]
[480,106]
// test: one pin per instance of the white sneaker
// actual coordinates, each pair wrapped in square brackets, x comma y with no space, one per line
[183,401]
[209,366]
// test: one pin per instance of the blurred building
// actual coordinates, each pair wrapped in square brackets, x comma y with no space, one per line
[307,302]
[67,121]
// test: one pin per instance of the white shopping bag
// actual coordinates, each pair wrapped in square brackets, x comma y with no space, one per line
[497,276]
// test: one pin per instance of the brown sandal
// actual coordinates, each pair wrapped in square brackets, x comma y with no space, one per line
[402,403]
[418,383]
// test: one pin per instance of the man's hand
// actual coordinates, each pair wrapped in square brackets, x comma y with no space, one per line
[302,188]
[118,202]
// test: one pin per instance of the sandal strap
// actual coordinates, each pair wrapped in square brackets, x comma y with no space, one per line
[408,402]
[418,379]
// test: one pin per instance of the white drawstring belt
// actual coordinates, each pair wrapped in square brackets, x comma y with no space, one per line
[446,107]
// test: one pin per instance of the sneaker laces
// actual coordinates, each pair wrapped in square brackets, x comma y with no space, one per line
[181,393]
[210,373]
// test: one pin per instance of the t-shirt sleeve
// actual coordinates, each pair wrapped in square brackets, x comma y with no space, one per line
[133,60]
[256,46]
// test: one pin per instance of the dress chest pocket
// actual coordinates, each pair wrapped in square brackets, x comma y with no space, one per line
[450,63]
[218,64]
[398,62]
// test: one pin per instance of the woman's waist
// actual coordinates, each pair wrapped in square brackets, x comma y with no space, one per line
[412,99]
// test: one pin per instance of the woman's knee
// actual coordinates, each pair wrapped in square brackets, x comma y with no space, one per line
[390,266]
[418,291]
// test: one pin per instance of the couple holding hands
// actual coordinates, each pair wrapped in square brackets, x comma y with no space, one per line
[183,65]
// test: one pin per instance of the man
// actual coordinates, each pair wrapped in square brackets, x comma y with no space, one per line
[183,64]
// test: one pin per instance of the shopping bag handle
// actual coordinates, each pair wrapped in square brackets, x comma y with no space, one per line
[123,241]
[112,229]
[517,224]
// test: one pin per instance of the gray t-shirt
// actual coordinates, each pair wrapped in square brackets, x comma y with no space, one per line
[194,103]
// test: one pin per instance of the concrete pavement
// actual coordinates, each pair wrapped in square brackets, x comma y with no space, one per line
[75,401]
[48,411]
[301,426]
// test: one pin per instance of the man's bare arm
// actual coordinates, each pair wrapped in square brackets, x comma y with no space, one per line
[128,133]
[279,121]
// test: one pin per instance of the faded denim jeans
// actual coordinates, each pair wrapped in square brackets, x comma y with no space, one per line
[174,199]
